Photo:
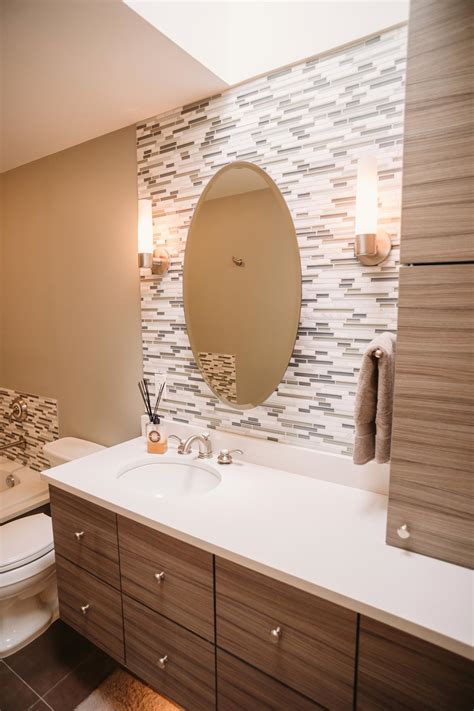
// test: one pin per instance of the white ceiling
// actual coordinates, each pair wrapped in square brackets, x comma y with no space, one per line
[244,38]
[72,70]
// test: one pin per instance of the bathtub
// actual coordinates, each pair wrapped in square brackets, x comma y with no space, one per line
[27,493]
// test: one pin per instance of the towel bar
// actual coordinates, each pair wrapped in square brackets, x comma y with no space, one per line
[378,353]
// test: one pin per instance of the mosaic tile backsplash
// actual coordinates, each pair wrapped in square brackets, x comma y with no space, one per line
[306,125]
[40,427]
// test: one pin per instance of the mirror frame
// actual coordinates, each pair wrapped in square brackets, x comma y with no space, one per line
[294,244]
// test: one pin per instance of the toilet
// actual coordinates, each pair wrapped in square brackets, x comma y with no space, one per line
[28,595]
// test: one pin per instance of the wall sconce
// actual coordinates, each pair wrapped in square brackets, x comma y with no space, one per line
[157,261]
[371,245]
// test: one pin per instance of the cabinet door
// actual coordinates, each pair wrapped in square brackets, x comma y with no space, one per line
[92,607]
[305,642]
[86,534]
[431,475]
[178,663]
[240,686]
[398,671]
[438,162]
[170,576]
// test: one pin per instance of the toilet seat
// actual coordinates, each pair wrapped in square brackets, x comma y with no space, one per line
[24,541]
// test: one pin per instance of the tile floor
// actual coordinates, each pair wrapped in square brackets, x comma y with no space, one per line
[55,672]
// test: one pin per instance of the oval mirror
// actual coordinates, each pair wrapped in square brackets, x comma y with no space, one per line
[242,285]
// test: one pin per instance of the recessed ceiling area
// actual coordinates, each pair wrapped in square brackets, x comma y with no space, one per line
[241,39]
[73,70]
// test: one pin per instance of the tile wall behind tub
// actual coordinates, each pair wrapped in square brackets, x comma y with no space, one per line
[40,427]
[306,126]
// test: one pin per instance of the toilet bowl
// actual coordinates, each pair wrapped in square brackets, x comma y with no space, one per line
[28,593]
[28,597]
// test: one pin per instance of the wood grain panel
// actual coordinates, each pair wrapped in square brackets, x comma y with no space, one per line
[186,593]
[431,475]
[97,549]
[438,163]
[189,674]
[102,623]
[315,654]
[240,686]
[398,671]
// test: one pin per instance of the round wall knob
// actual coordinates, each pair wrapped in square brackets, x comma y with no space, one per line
[275,634]
[403,532]
[79,535]
[163,661]
[84,609]
[159,577]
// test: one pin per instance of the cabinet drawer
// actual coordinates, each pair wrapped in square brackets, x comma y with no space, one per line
[399,671]
[240,686]
[86,534]
[92,607]
[176,662]
[314,651]
[169,576]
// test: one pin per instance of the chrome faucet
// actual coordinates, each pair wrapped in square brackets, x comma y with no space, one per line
[181,443]
[205,446]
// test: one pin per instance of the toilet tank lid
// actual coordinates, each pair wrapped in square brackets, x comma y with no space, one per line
[69,448]
[25,540]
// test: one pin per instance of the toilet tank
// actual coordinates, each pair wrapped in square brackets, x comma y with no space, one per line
[66,449]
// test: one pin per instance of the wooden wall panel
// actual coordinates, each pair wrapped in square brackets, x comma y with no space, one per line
[431,477]
[438,162]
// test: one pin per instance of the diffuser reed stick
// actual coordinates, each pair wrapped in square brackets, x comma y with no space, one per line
[145,394]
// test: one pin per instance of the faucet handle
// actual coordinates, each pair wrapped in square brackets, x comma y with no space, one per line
[180,443]
[225,455]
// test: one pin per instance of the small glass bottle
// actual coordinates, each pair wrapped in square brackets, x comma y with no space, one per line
[156,437]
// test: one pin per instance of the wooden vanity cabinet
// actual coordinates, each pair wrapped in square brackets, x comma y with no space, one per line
[264,645]
[242,687]
[307,643]
[91,607]
[398,671]
[86,534]
[438,181]
[175,661]
[431,482]
[169,576]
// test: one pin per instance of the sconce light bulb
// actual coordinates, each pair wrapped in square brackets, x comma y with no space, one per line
[366,196]
[145,227]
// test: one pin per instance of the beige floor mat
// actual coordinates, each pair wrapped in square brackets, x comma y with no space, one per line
[123,692]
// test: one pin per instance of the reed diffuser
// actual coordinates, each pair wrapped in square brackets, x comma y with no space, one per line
[156,433]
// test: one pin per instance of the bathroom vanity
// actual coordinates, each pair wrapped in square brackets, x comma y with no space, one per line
[169,588]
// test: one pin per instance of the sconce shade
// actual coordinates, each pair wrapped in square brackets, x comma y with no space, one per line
[366,196]
[145,227]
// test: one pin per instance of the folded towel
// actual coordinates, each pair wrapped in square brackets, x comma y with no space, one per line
[374,402]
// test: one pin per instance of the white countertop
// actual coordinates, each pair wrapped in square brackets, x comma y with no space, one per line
[319,536]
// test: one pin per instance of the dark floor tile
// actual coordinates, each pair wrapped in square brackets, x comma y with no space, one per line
[39,706]
[48,659]
[81,682]
[15,694]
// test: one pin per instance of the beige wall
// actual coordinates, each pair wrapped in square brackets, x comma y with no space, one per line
[69,286]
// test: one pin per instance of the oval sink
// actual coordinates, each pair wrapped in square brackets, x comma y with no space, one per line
[169,477]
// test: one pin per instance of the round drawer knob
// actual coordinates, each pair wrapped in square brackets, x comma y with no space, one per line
[275,634]
[84,609]
[163,661]
[159,577]
[78,535]
[403,532]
